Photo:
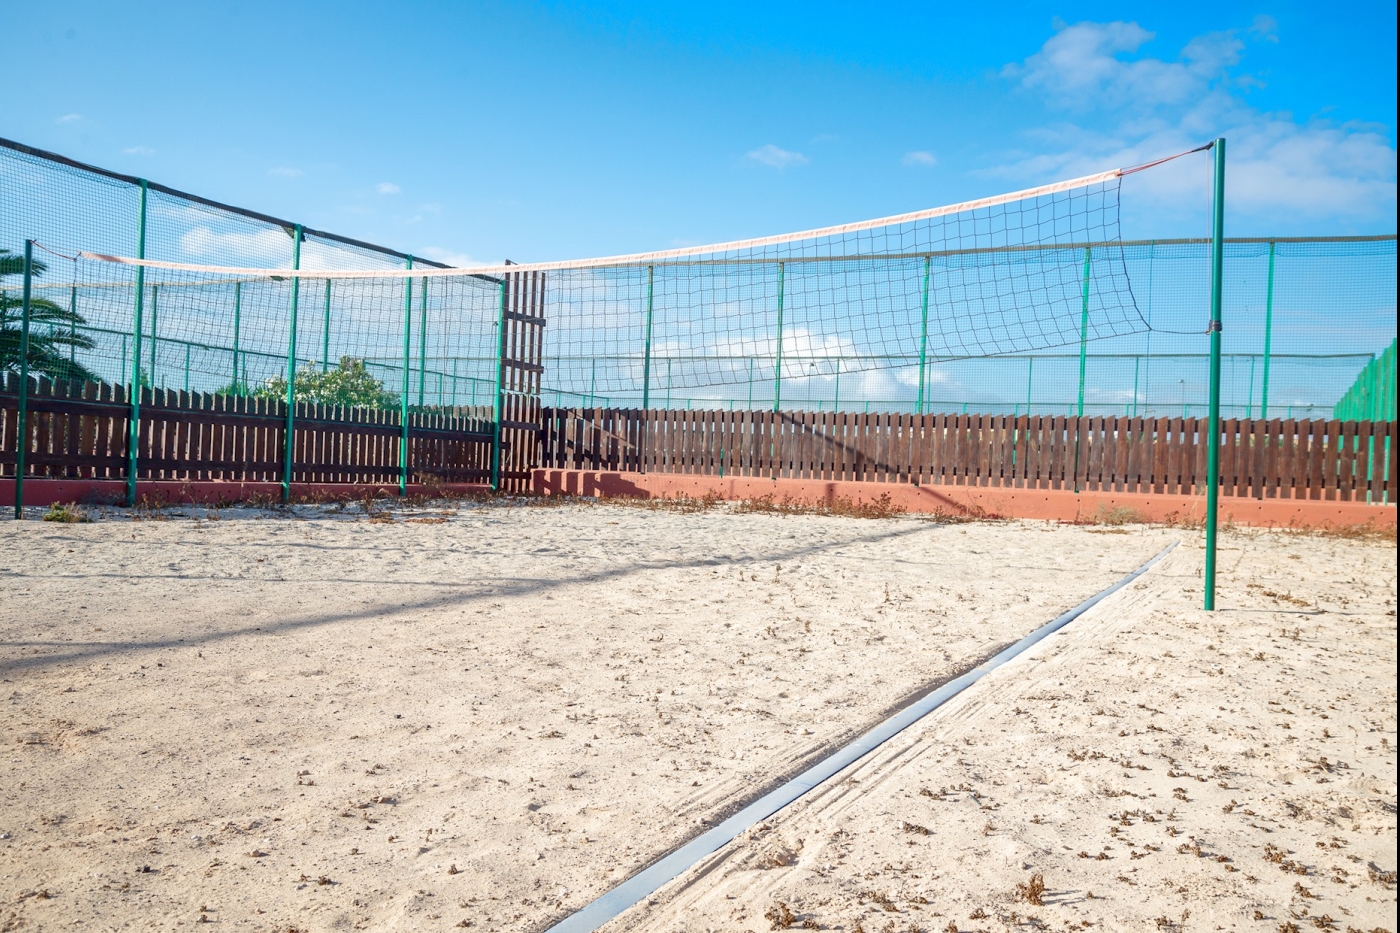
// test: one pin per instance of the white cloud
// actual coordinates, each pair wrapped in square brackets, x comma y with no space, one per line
[1265,27]
[265,249]
[69,118]
[387,187]
[1128,110]
[283,171]
[452,257]
[777,158]
[139,150]
[919,157]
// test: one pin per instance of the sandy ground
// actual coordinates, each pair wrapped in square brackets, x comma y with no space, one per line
[480,717]
[1152,766]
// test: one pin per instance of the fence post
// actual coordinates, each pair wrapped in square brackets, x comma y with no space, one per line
[422,339]
[133,438]
[1213,419]
[923,340]
[326,331]
[403,400]
[22,403]
[498,405]
[289,447]
[646,352]
[1268,336]
[778,361]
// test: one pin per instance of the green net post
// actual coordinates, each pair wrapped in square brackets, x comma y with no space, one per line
[187,366]
[155,321]
[133,436]
[646,350]
[72,328]
[326,331]
[403,399]
[238,388]
[750,383]
[1217,261]
[289,447]
[923,339]
[498,403]
[778,357]
[422,339]
[1030,376]
[836,402]
[1084,331]
[1083,360]
[1268,336]
[22,403]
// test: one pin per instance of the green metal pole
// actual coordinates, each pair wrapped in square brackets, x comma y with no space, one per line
[1268,336]
[22,403]
[1030,375]
[133,437]
[778,360]
[836,403]
[326,331]
[923,341]
[1084,331]
[1083,362]
[498,406]
[750,383]
[238,388]
[1213,419]
[422,340]
[646,352]
[187,367]
[155,320]
[289,447]
[72,328]
[403,399]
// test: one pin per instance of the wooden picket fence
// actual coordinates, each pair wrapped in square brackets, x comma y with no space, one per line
[1333,460]
[80,430]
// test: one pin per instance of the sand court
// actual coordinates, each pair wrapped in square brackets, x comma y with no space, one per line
[486,714]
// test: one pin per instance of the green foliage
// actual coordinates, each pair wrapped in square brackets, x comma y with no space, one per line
[350,383]
[52,329]
[66,513]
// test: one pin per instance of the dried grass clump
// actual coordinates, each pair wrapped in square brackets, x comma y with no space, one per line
[1032,891]
[682,504]
[882,506]
[1119,515]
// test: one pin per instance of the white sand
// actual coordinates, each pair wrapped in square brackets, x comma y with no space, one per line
[324,723]
[1160,768]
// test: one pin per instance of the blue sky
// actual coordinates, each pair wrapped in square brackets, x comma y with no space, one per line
[540,131]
